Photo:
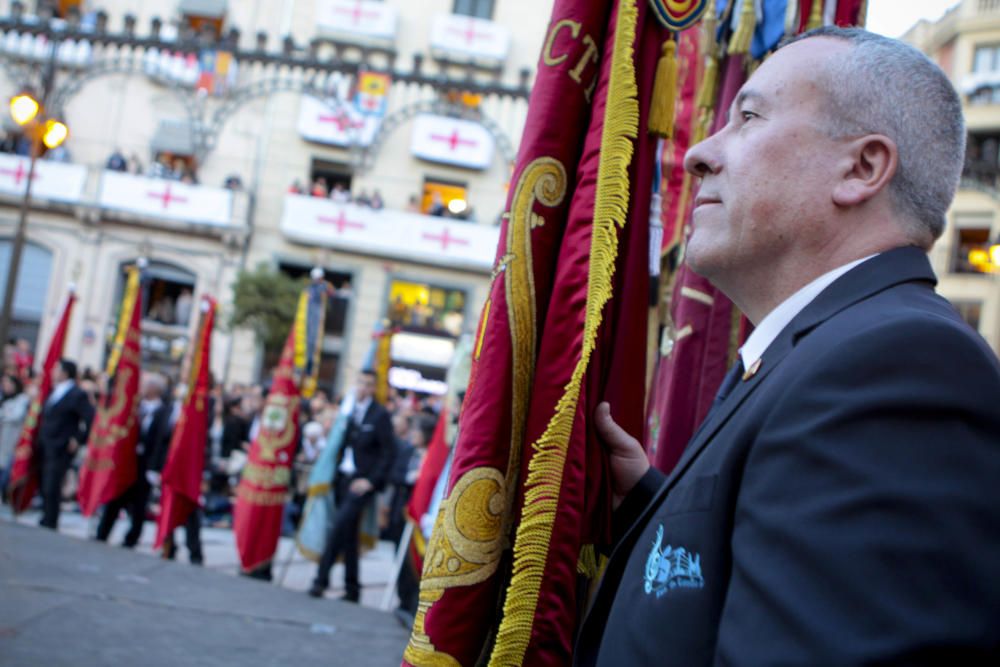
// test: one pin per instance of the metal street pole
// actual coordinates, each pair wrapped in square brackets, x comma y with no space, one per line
[17,249]
[35,130]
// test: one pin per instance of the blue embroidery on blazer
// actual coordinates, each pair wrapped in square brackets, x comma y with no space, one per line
[670,568]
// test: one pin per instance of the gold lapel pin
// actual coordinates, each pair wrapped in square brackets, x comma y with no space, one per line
[754,367]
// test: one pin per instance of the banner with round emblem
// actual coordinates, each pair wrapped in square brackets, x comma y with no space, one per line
[677,15]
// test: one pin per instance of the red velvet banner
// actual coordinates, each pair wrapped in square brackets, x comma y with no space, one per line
[527,468]
[182,473]
[261,494]
[110,464]
[24,471]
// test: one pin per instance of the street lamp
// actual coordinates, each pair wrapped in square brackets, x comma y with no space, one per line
[41,129]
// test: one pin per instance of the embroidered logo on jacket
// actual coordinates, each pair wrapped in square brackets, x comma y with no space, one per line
[670,568]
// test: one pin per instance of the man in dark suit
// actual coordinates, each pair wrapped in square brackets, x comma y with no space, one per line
[362,468]
[154,438]
[65,423]
[840,505]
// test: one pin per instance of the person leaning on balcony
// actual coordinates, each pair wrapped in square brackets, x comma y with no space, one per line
[840,504]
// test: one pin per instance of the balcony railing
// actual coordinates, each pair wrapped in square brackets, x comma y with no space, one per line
[390,233]
[125,197]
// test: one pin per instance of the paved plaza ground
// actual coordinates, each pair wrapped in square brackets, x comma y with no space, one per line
[67,600]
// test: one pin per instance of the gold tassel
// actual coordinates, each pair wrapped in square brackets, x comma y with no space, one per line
[661,107]
[743,36]
[709,27]
[706,91]
[815,15]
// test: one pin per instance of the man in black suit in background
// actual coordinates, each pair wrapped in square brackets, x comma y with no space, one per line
[840,505]
[362,468]
[66,419]
[154,438]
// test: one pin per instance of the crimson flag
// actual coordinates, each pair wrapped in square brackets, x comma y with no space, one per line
[182,473]
[563,328]
[423,491]
[24,471]
[260,496]
[110,465]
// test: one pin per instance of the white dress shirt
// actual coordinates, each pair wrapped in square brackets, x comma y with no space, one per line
[779,318]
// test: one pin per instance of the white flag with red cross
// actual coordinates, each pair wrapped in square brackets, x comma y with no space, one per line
[336,123]
[453,141]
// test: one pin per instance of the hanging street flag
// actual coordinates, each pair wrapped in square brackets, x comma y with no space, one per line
[24,471]
[182,473]
[372,95]
[110,465]
[336,122]
[451,141]
[563,329]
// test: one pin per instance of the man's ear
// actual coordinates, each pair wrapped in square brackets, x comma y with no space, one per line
[869,167]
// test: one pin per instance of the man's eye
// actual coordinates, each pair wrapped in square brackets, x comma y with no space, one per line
[747,115]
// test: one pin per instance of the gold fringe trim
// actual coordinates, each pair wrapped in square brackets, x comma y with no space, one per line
[545,470]
[301,320]
[124,318]
[741,39]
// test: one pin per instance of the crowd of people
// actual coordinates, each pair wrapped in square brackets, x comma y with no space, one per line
[234,425]
[338,193]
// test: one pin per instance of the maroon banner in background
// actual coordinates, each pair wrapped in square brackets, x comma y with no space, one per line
[182,473]
[24,471]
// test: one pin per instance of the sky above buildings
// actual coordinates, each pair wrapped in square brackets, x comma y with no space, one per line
[894,17]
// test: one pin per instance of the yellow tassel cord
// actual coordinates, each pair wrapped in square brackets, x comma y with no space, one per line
[301,317]
[382,360]
[705,99]
[663,103]
[740,41]
[124,318]
[815,15]
[545,470]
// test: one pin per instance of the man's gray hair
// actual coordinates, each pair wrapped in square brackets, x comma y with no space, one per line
[885,86]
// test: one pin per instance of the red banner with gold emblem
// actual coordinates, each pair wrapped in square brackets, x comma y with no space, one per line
[263,488]
[24,471]
[110,465]
[563,328]
[182,473]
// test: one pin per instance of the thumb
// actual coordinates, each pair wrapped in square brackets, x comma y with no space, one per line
[617,439]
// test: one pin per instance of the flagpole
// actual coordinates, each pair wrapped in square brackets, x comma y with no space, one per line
[397,566]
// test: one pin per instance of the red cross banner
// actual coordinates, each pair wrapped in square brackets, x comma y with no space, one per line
[53,181]
[24,471]
[182,472]
[462,38]
[109,466]
[170,200]
[519,536]
[353,18]
[388,233]
[453,141]
[339,123]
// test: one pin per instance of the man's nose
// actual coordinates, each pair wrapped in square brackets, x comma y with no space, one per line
[700,160]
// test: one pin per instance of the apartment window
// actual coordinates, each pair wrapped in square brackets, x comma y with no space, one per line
[330,176]
[986,59]
[970,311]
[446,199]
[482,9]
[970,243]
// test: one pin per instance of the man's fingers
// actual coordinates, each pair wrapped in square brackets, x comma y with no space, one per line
[614,435]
